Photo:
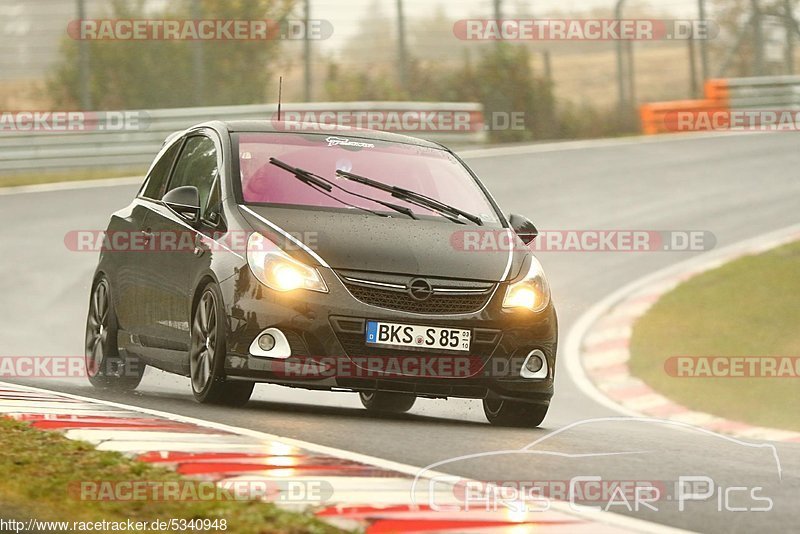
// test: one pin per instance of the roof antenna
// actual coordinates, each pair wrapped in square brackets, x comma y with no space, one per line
[280,96]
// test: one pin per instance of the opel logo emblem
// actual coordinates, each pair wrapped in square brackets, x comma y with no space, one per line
[420,289]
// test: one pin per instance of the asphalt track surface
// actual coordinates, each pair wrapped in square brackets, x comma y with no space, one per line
[736,186]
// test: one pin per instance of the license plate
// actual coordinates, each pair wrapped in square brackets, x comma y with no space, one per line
[409,335]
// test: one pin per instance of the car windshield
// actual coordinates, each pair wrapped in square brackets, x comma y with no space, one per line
[433,172]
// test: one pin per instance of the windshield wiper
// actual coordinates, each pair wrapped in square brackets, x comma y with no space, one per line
[315,180]
[302,175]
[451,212]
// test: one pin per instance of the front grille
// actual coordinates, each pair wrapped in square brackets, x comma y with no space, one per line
[440,303]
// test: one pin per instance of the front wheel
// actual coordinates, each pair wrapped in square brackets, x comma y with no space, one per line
[386,402]
[502,412]
[105,366]
[207,355]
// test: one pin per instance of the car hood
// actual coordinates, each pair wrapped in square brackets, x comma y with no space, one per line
[365,242]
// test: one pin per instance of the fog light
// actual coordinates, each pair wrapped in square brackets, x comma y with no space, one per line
[270,343]
[266,342]
[534,364]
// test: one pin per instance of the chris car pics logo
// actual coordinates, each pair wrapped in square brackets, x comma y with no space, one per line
[341,141]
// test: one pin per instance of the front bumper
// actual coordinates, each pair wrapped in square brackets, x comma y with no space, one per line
[326,333]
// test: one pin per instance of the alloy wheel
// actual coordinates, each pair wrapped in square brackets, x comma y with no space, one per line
[204,341]
[97,329]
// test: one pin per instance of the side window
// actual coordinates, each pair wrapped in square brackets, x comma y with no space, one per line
[157,179]
[197,166]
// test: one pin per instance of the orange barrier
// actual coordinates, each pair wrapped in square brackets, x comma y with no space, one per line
[718,89]
[688,115]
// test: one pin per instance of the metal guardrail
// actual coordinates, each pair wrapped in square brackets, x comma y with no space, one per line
[763,94]
[133,147]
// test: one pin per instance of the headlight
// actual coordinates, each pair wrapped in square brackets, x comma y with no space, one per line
[279,271]
[532,292]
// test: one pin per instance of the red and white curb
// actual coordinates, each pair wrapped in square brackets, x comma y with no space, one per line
[368,493]
[601,339]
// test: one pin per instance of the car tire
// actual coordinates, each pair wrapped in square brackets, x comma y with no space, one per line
[106,366]
[501,412]
[386,402]
[207,351]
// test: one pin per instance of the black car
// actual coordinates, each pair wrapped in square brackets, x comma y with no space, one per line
[345,260]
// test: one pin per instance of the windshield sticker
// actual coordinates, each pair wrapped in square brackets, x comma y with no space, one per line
[341,141]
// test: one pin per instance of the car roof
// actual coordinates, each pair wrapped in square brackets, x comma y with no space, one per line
[269,126]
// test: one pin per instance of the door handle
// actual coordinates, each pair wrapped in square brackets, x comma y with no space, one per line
[148,235]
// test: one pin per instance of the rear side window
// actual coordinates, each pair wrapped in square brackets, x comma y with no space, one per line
[197,166]
[157,179]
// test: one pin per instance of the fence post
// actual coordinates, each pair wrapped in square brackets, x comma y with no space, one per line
[701,11]
[84,61]
[790,26]
[622,89]
[307,52]
[402,56]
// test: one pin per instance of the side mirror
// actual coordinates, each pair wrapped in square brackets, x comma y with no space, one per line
[523,227]
[185,201]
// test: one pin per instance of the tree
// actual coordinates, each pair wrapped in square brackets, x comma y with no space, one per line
[502,79]
[155,74]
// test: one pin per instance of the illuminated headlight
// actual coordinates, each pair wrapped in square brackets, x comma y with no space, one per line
[532,292]
[279,271]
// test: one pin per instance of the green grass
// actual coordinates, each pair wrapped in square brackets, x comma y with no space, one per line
[41,468]
[11,180]
[749,307]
